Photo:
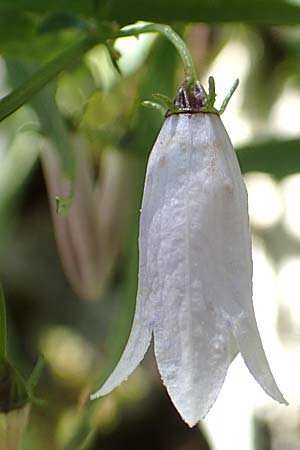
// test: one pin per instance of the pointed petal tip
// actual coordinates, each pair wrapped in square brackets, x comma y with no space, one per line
[275,394]
[96,395]
[191,416]
[134,352]
[270,387]
[191,421]
[107,387]
[280,399]
[253,354]
[266,380]
[191,424]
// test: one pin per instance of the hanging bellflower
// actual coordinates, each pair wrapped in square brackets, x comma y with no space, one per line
[195,270]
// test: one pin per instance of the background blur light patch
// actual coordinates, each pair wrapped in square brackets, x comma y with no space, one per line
[67,353]
[231,63]
[290,188]
[107,414]
[289,287]
[265,202]
[229,424]
[284,119]
[264,294]
[133,52]
[101,67]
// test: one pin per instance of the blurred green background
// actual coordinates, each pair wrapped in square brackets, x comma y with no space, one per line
[70,281]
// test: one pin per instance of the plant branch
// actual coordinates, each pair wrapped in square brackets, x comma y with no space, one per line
[13,101]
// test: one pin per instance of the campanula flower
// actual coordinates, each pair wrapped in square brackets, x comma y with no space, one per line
[89,236]
[195,270]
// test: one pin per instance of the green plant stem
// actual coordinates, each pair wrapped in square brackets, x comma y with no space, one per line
[13,101]
[169,33]
[3,328]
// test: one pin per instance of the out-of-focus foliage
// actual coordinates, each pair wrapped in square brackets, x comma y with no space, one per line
[256,11]
[91,115]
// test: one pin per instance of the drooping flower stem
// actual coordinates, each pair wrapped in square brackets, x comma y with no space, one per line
[11,102]
[169,33]
[3,328]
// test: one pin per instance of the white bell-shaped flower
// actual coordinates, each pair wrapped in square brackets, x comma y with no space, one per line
[195,270]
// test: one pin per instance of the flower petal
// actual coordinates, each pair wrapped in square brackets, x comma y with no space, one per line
[239,278]
[193,341]
[250,345]
[137,345]
[140,336]
[204,263]
[79,235]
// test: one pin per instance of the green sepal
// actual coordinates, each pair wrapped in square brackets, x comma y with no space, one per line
[13,390]
[167,102]
[228,96]
[192,99]
[37,401]
[35,374]
[154,106]
[211,98]
[33,381]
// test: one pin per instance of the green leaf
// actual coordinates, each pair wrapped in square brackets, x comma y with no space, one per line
[20,37]
[72,6]
[3,329]
[248,11]
[15,26]
[51,123]
[62,21]
[279,158]
[43,76]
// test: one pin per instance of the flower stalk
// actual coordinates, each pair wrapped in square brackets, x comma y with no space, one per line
[173,37]
[13,101]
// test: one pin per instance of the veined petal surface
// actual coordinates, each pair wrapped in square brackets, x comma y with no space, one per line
[202,259]
[239,280]
[148,291]
[137,345]
[195,269]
